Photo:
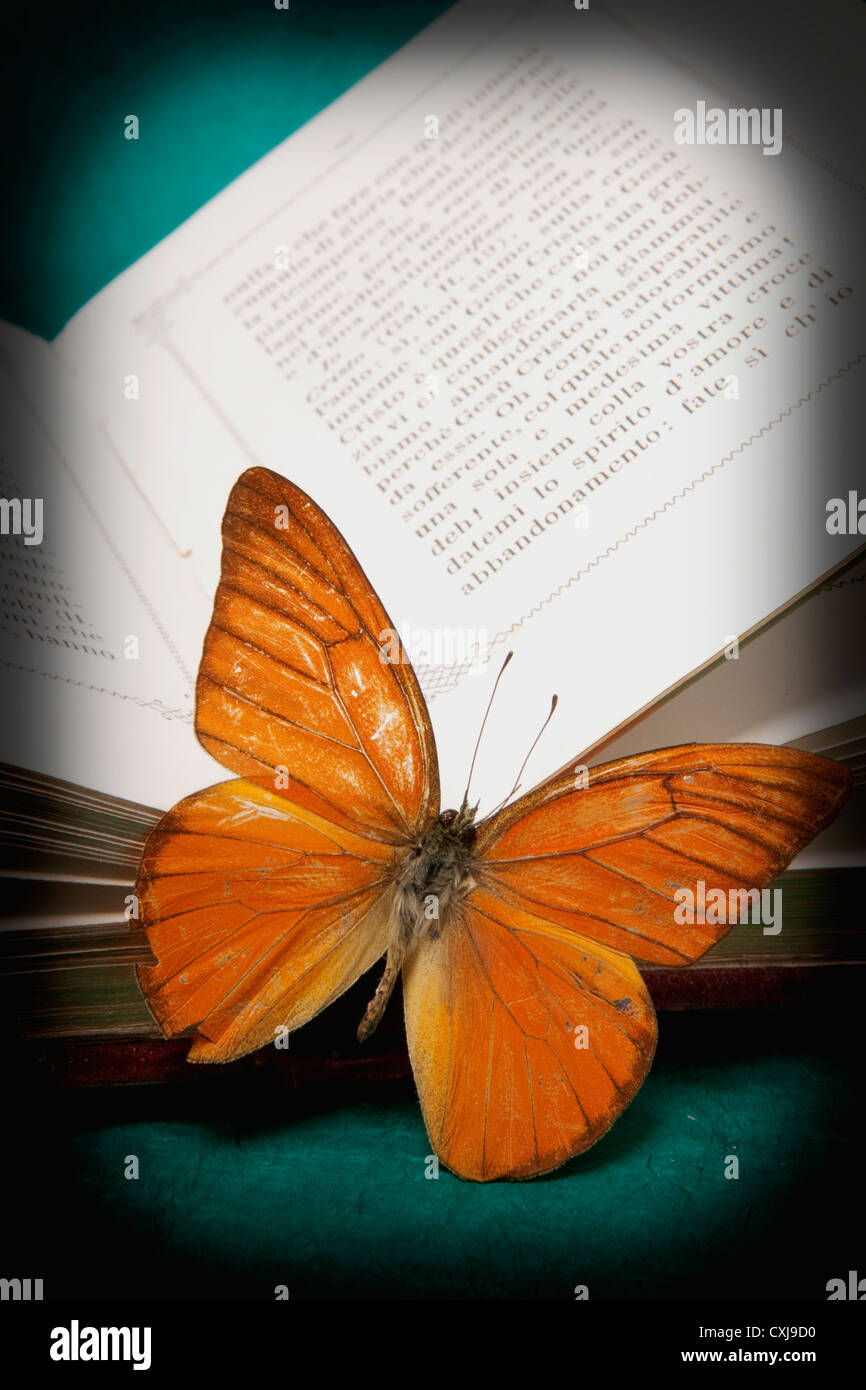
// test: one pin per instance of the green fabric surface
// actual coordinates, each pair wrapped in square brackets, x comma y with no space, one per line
[244,1187]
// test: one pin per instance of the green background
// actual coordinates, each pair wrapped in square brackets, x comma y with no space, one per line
[245,1184]
[216,84]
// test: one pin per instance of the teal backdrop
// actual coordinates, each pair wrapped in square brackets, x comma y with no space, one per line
[244,1185]
[215,84]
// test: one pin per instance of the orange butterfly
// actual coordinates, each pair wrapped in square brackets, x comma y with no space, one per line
[529,1025]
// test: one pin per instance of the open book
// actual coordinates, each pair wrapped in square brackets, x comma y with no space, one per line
[568,386]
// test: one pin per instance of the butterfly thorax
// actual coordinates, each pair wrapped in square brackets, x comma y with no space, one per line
[435,874]
[432,877]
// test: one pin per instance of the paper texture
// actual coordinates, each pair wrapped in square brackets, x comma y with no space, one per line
[566,385]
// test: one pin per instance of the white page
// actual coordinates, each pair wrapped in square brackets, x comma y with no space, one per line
[803,673]
[82,702]
[701,533]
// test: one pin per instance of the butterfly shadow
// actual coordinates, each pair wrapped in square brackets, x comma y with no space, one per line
[628,1135]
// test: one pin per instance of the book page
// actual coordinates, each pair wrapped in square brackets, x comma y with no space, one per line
[794,679]
[567,385]
[786,685]
[98,672]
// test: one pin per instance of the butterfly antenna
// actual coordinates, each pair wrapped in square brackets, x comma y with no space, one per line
[554,702]
[481,730]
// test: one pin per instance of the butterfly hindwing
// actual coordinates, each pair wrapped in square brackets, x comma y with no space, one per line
[259,912]
[527,1041]
[303,679]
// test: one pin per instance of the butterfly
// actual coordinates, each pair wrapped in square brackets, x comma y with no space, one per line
[265,897]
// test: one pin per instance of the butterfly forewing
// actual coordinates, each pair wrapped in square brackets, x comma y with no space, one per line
[608,858]
[302,678]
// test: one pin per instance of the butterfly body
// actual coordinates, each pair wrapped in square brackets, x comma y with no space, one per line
[437,871]
[431,878]
[265,897]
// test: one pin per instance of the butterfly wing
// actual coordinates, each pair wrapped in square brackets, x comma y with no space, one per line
[260,913]
[526,1040]
[303,681]
[606,859]
[264,899]
[572,881]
